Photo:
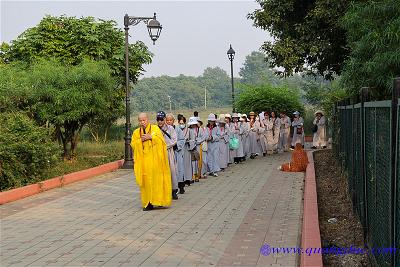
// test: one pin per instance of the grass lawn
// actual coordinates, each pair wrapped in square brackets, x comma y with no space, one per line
[89,155]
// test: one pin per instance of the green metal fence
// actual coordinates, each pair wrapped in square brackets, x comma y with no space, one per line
[367,143]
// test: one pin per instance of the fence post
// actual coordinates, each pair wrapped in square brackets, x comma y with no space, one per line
[364,95]
[353,151]
[394,156]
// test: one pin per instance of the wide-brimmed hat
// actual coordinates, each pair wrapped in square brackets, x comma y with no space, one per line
[252,113]
[296,113]
[318,111]
[211,117]
[193,121]
[227,115]
[235,115]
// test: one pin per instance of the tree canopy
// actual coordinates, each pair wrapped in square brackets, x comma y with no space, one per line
[256,70]
[307,34]
[373,29]
[70,40]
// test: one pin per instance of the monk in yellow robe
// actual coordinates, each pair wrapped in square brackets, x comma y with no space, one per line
[151,165]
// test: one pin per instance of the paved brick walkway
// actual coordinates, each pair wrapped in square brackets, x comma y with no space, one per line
[221,221]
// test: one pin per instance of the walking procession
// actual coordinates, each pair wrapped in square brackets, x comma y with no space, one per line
[177,153]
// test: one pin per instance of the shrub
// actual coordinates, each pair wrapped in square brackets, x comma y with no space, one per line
[268,98]
[26,151]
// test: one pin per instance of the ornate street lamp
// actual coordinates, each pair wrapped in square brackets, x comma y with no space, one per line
[231,56]
[154,27]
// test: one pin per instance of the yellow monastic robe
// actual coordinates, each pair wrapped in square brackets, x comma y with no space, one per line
[151,167]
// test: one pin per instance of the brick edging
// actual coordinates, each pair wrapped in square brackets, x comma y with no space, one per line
[310,234]
[33,189]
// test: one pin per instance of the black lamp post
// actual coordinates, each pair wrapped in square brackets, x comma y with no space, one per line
[154,27]
[231,56]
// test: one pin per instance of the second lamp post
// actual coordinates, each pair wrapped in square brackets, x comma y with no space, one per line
[231,56]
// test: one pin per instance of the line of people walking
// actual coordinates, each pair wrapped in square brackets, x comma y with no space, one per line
[182,151]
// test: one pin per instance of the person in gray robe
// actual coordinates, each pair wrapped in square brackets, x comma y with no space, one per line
[204,132]
[193,145]
[245,136]
[236,129]
[298,130]
[171,139]
[254,148]
[178,150]
[284,133]
[228,123]
[186,167]
[213,146]
[223,143]
[201,137]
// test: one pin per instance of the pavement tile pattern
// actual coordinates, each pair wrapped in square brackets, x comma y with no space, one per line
[220,221]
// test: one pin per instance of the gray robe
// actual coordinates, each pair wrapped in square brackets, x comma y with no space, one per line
[205,134]
[171,140]
[236,131]
[284,134]
[179,154]
[298,138]
[245,138]
[187,158]
[213,150]
[261,138]
[254,147]
[223,147]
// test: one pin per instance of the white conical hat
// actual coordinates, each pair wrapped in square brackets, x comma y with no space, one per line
[211,117]
[193,121]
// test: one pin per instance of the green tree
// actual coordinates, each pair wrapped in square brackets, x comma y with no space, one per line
[374,40]
[70,40]
[268,98]
[307,34]
[256,70]
[66,97]
[218,85]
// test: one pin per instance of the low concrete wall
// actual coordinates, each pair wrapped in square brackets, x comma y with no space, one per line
[29,190]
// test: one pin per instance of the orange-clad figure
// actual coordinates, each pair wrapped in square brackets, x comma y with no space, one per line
[299,161]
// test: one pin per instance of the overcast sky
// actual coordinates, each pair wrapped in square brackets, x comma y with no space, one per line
[195,34]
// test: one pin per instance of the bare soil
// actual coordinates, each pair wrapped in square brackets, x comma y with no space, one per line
[334,202]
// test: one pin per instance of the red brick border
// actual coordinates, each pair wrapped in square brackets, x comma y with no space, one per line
[310,234]
[33,189]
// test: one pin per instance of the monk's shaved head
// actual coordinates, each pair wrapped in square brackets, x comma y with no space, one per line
[143,119]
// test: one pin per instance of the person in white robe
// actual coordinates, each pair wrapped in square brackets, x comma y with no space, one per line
[284,133]
[275,131]
[228,127]
[319,137]
[171,140]
[268,133]
[187,158]
[298,130]
[194,143]
[261,135]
